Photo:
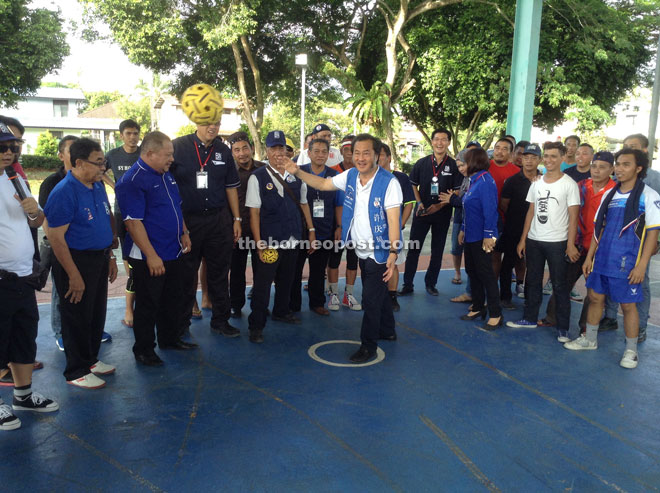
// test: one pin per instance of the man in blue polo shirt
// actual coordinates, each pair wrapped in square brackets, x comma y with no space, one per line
[80,230]
[157,237]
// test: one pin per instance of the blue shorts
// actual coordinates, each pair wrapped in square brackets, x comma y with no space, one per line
[619,290]
[456,249]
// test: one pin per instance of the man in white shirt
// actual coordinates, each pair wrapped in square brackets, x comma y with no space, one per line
[371,219]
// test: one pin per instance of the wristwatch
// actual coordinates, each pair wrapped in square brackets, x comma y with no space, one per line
[239,219]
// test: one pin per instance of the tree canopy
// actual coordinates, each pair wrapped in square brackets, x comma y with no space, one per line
[32,45]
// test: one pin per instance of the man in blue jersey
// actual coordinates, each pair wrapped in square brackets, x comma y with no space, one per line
[625,236]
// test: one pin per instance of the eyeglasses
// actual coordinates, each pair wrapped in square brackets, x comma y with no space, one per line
[9,147]
[102,164]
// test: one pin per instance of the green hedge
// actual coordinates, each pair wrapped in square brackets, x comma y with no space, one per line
[29,161]
[406,167]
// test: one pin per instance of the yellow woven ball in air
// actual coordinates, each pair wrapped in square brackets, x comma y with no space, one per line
[270,255]
[203,104]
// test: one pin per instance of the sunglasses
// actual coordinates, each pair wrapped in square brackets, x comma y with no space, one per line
[9,147]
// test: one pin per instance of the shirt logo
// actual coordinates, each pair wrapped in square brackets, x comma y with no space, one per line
[107,208]
[90,216]
[290,179]
[269,186]
[218,156]
[218,163]
[657,203]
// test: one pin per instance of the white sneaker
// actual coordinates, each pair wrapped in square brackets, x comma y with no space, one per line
[333,304]
[101,368]
[581,344]
[7,419]
[89,381]
[629,359]
[350,302]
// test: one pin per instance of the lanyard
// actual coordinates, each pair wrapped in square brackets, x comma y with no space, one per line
[435,173]
[199,158]
[474,180]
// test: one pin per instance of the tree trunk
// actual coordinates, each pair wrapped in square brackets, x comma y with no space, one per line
[247,113]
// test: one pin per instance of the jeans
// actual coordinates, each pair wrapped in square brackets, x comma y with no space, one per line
[536,255]
[55,317]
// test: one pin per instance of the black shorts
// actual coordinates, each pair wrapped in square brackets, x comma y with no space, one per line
[351,259]
[19,322]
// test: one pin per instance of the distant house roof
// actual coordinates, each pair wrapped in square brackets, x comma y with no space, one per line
[59,93]
[108,110]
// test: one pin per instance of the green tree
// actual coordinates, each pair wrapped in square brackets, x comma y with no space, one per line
[98,98]
[32,45]
[139,110]
[187,129]
[46,145]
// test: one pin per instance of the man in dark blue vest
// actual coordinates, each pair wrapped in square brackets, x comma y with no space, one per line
[371,219]
[277,202]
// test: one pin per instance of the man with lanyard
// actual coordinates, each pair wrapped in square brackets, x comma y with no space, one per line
[120,161]
[80,231]
[242,151]
[384,161]
[19,315]
[322,131]
[157,237]
[372,219]
[431,175]
[276,199]
[205,172]
[323,207]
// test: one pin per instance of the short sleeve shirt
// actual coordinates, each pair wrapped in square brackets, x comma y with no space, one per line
[515,189]
[16,244]
[121,161]
[449,178]
[577,175]
[551,202]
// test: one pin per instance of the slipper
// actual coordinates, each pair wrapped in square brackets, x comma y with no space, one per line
[456,280]
[544,323]
[196,315]
[37,365]
[463,298]
[127,324]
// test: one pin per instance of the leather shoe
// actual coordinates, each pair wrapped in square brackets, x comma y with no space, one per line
[235,313]
[391,337]
[179,345]
[395,304]
[257,336]
[227,330]
[321,310]
[149,359]
[406,290]
[432,290]
[362,355]
[289,318]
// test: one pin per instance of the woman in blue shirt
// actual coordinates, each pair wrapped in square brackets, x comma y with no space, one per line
[478,235]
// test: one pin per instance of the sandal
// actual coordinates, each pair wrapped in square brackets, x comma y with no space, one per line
[456,280]
[544,323]
[462,298]
[196,314]
[37,365]
[126,324]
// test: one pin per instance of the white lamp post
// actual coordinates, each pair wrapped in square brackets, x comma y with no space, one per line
[301,61]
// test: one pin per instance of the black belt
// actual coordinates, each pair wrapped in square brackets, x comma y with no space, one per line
[206,212]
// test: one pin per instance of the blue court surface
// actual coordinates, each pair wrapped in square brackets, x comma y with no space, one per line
[449,408]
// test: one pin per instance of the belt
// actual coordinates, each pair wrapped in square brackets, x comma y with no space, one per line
[206,212]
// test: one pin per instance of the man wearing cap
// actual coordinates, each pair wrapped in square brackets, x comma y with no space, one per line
[322,131]
[19,315]
[372,219]
[431,175]
[518,153]
[514,205]
[277,201]
[242,150]
[290,148]
[206,175]
[157,238]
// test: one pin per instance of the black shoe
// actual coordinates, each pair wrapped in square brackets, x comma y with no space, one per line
[227,330]
[431,290]
[257,336]
[507,305]
[235,313]
[178,345]
[149,359]
[287,319]
[487,326]
[362,355]
[608,324]
[388,338]
[395,304]
[480,313]
[406,290]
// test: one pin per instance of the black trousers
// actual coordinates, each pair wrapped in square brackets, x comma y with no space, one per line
[509,259]
[479,266]
[83,322]
[378,318]
[317,263]
[158,301]
[281,271]
[237,281]
[211,237]
[573,273]
[438,223]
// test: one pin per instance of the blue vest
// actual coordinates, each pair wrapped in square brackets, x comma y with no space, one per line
[377,214]
[324,225]
[279,217]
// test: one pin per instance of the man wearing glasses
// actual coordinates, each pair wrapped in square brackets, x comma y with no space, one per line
[81,231]
[205,172]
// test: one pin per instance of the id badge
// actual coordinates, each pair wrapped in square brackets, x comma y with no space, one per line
[318,208]
[434,189]
[202,180]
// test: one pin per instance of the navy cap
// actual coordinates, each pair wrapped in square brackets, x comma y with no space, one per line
[276,138]
[473,143]
[606,156]
[320,128]
[532,149]
[6,134]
